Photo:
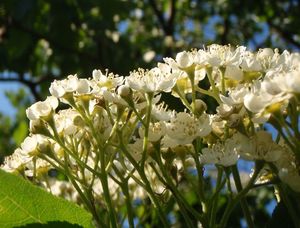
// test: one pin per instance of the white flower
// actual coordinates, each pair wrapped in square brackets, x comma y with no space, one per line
[136,149]
[224,110]
[15,162]
[39,166]
[233,72]
[265,53]
[101,82]
[235,96]
[29,145]
[183,82]
[250,63]
[33,145]
[161,113]
[256,102]
[114,98]
[288,169]
[205,125]
[266,148]
[83,86]
[65,121]
[103,125]
[225,154]
[42,109]
[60,88]
[63,189]
[56,89]
[260,102]
[259,147]
[69,85]
[184,128]
[184,59]
[218,55]
[124,91]
[156,131]
[154,80]
[271,85]
[290,82]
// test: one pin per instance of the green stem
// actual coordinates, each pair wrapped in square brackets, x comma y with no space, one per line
[278,125]
[211,82]
[154,199]
[103,176]
[182,98]
[132,106]
[146,184]
[128,205]
[149,97]
[180,204]
[174,189]
[201,193]
[67,150]
[104,182]
[231,205]
[85,199]
[286,200]
[124,185]
[243,201]
[209,93]
[294,116]
[215,197]
[192,80]
[222,71]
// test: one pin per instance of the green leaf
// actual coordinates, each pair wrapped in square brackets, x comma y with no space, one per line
[20,132]
[50,225]
[23,203]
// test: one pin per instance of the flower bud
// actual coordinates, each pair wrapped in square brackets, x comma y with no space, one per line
[224,110]
[234,120]
[29,146]
[124,91]
[199,107]
[183,59]
[38,127]
[78,121]
[83,86]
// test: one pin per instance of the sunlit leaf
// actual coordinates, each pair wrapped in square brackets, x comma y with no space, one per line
[23,203]
[20,132]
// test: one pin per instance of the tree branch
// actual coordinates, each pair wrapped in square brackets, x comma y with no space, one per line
[287,36]
[11,22]
[32,85]
[170,26]
[224,36]
[159,15]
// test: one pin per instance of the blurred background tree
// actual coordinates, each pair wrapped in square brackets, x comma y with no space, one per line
[43,40]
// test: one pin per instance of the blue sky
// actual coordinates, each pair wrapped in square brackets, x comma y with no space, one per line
[5,106]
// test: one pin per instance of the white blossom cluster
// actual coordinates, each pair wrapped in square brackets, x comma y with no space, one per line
[114,124]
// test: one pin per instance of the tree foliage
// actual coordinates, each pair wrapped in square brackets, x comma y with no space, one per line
[22,203]
[43,40]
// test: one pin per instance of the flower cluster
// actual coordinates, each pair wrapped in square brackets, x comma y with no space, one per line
[118,136]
